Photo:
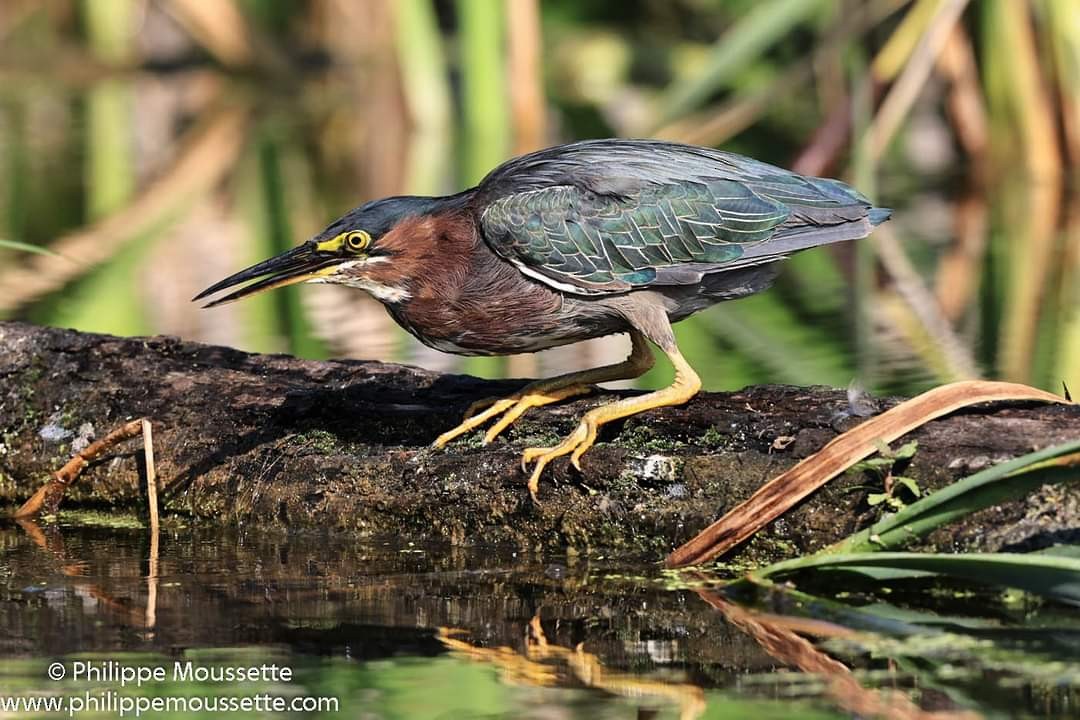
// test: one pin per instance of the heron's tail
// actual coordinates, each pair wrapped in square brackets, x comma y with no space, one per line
[879,215]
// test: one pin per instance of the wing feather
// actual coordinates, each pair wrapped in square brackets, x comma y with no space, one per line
[609,216]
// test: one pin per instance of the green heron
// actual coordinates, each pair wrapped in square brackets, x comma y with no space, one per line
[569,243]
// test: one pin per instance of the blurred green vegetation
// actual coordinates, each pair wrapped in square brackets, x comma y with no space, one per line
[153,146]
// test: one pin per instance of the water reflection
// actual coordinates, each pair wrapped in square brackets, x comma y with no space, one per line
[544,664]
[782,640]
[396,630]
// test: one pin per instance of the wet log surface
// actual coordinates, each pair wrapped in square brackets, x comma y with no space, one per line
[274,440]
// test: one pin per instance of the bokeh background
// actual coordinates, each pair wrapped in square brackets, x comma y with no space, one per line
[150,147]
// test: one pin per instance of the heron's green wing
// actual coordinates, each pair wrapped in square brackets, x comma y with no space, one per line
[592,243]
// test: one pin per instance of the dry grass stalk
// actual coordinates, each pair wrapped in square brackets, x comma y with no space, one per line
[907,87]
[219,27]
[960,269]
[1068,361]
[527,106]
[897,50]
[718,124]
[150,616]
[528,109]
[966,106]
[1032,247]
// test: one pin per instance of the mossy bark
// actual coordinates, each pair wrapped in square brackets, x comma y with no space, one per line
[283,442]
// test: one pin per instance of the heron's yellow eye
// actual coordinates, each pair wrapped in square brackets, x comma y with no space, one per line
[357,240]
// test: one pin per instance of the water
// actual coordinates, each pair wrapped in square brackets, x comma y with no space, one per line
[388,631]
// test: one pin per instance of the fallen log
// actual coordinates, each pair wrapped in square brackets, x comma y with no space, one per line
[280,441]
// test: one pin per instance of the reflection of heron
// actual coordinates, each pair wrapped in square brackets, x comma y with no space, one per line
[541,662]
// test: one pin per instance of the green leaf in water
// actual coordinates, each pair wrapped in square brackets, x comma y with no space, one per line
[1042,574]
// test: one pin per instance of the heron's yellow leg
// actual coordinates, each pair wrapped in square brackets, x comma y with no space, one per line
[544,392]
[533,395]
[685,386]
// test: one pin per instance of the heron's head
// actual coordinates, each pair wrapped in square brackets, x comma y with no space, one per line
[367,248]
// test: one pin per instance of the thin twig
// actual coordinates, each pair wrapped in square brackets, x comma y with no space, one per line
[52,492]
[152,498]
[151,475]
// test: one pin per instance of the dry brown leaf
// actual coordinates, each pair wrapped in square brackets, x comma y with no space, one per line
[782,492]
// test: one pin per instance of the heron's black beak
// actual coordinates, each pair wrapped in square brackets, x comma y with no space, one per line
[295,266]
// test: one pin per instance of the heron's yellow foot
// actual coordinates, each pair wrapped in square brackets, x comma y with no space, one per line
[479,405]
[686,385]
[511,408]
[576,443]
[531,401]
[545,392]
